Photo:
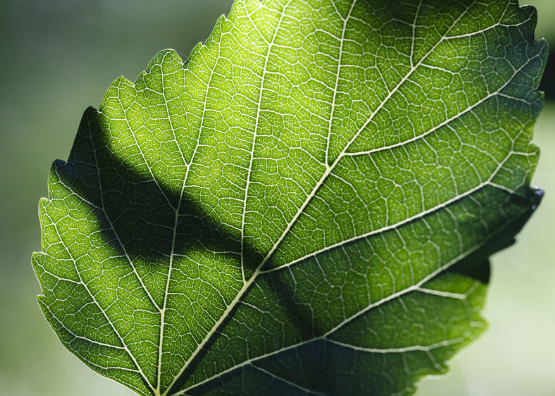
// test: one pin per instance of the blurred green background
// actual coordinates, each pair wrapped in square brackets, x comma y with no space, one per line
[59,56]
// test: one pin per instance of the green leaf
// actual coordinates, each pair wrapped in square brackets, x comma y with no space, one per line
[306,206]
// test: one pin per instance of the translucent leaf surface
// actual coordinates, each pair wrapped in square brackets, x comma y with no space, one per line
[305,206]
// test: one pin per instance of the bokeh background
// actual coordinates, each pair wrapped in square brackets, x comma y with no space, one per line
[59,56]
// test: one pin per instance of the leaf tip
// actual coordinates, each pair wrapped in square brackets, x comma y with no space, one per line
[536,197]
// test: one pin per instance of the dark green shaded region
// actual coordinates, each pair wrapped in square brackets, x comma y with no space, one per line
[137,212]
[323,367]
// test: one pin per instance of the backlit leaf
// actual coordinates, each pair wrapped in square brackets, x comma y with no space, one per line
[306,206]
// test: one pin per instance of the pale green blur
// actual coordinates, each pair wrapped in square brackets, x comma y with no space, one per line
[59,56]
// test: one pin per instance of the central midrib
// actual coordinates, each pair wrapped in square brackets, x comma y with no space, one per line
[328,171]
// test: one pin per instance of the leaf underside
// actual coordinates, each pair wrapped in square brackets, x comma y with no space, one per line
[304,207]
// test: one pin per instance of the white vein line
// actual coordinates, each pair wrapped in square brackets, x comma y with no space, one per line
[106,368]
[400,223]
[174,237]
[78,337]
[60,180]
[477,32]
[147,382]
[499,23]
[168,109]
[416,14]
[332,111]
[500,187]
[411,348]
[374,305]
[415,287]
[286,381]
[103,209]
[257,28]
[440,293]
[255,132]
[337,10]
